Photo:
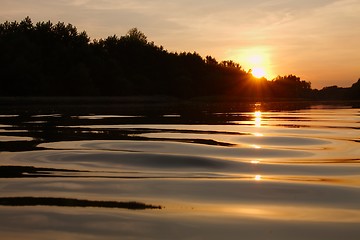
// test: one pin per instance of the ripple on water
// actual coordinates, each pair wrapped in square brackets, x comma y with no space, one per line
[280,141]
[151,162]
[14,138]
[180,149]
[295,169]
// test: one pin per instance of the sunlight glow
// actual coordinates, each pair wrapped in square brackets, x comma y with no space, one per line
[255,162]
[256,59]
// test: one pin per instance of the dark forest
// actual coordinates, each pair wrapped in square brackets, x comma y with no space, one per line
[47,59]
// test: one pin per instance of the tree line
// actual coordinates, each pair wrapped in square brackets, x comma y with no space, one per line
[47,59]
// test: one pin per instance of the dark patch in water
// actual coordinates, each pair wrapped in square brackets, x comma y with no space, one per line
[194,141]
[71,202]
[29,171]
[19,146]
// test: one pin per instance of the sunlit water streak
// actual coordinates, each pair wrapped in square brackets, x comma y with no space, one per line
[216,175]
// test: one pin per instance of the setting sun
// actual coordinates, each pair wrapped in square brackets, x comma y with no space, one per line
[258,72]
[255,59]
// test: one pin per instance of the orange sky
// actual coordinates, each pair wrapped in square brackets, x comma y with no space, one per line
[317,40]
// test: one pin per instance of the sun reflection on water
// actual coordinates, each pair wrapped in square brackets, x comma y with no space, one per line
[257,178]
[258,134]
[257,120]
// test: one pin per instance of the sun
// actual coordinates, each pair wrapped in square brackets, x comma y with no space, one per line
[258,72]
[256,59]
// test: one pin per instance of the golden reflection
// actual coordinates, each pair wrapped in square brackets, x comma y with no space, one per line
[298,213]
[256,146]
[257,178]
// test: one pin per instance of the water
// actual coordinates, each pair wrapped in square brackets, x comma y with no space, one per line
[180,171]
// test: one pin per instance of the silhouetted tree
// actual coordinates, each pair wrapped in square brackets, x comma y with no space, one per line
[290,86]
[211,60]
[135,35]
[46,59]
[355,90]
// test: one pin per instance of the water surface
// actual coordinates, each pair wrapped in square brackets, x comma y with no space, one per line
[180,171]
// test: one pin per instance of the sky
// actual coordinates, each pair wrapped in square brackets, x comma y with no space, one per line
[317,40]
